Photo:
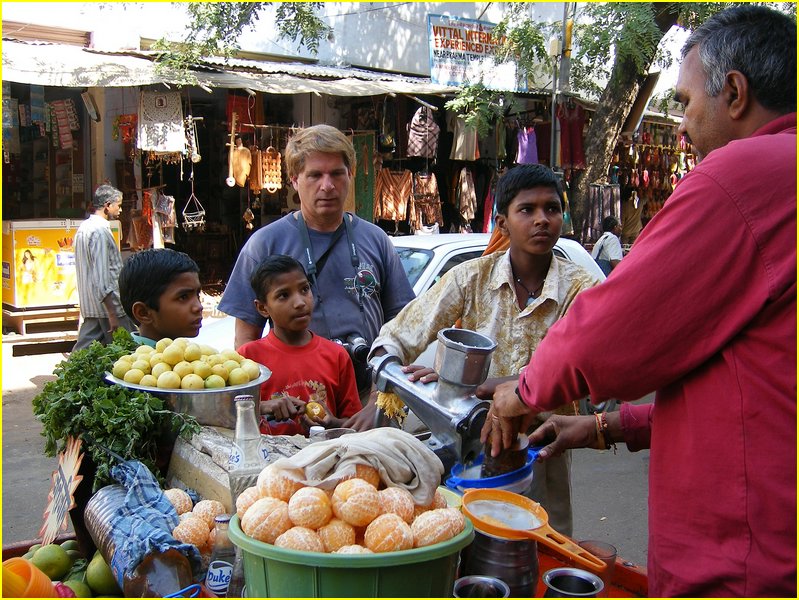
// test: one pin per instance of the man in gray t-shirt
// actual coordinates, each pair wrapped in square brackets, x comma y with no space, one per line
[359,282]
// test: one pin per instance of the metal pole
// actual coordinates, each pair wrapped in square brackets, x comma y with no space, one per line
[553,142]
[556,75]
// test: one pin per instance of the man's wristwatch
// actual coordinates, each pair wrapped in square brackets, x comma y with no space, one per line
[519,396]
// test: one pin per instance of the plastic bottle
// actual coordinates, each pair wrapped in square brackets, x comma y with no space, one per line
[316,432]
[160,574]
[223,555]
[249,454]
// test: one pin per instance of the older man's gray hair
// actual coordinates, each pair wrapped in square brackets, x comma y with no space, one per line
[105,194]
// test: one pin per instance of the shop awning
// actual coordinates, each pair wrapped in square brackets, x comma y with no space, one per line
[58,65]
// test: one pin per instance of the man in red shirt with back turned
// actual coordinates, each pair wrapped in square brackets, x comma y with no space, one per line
[702,311]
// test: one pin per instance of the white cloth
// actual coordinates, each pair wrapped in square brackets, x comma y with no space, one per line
[608,246]
[401,459]
[161,122]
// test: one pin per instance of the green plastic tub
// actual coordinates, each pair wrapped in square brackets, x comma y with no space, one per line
[272,572]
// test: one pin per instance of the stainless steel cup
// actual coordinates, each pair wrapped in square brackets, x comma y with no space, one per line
[478,586]
[568,582]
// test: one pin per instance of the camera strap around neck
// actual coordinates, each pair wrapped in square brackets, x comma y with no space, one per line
[314,268]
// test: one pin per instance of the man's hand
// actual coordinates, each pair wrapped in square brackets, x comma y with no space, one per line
[110,305]
[420,373]
[113,322]
[562,432]
[507,416]
[485,391]
[364,419]
[283,407]
[328,421]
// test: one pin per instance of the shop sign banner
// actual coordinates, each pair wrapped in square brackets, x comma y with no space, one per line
[462,51]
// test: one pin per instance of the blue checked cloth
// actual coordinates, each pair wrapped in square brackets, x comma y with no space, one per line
[143,523]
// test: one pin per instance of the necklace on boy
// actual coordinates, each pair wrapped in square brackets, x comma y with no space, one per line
[531,294]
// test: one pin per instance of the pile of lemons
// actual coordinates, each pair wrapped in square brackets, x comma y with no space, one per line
[182,364]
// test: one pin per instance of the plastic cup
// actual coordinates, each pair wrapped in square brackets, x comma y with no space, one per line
[13,585]
[607,554]
[37,584]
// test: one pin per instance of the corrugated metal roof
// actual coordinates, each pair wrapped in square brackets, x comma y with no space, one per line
[296,69]
[70,66]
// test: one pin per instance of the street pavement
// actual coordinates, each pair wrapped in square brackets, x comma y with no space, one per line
[26,470]
[609,491]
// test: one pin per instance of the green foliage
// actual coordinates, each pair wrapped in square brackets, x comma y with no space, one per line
[664,102]
[298,20]
[479,106]
[216,27]
[526,40]
[126,421]
[609,33]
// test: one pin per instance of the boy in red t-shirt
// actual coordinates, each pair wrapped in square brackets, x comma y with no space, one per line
[305,367]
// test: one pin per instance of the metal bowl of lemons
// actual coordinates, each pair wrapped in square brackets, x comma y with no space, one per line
[215,407]
[192,378]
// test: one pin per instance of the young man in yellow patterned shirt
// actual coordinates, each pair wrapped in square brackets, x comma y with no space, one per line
[511,296]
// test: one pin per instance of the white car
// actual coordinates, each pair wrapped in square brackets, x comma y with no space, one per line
[425,259]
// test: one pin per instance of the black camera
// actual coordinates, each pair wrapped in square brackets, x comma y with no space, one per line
[358,349]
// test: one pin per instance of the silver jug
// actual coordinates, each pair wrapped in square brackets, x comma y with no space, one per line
[513,561]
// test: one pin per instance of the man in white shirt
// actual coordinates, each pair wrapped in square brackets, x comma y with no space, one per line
[97,266]
[607,249]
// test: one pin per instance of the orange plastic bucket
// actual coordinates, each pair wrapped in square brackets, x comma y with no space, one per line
[35,583]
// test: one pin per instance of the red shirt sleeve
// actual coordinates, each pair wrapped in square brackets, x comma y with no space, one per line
[636,424]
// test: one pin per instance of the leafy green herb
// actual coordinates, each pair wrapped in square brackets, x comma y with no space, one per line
[479,106]
[129,422]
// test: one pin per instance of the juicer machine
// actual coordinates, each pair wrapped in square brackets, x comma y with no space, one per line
[448,407]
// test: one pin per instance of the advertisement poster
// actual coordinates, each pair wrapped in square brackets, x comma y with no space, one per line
[462,51]
[39,262]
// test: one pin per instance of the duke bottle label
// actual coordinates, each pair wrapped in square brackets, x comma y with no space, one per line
[218,578]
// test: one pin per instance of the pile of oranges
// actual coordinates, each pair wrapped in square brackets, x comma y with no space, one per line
[355,517]
[196,524]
